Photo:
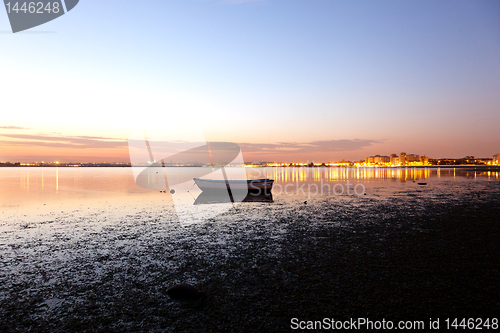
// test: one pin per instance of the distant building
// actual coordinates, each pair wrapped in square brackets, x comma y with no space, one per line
[403,159]
[394,159]
[486,161]
[470,159]
[495,159]
[413,158]
[424,160]
[381,159]
[377,159]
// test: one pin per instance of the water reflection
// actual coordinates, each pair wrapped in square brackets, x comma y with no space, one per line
[307,174]
[214,198]
[19,186]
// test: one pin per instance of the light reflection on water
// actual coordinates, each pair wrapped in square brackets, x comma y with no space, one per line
[304,174]
[24,187]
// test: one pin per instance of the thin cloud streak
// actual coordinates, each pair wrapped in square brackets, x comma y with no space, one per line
[89,143]
[76,142]
[13,128]
[307,147]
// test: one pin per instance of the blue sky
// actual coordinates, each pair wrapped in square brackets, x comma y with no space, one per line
[415,76]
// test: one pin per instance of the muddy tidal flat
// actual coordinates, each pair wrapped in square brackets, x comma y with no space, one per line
[412,254]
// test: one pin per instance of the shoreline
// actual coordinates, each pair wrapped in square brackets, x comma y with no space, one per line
[404,258]
[462,167]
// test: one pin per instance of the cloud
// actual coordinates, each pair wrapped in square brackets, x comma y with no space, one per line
[75,142]
[307,147]
[13,127]
[95,142]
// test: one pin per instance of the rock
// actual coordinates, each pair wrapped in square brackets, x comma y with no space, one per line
[184,292]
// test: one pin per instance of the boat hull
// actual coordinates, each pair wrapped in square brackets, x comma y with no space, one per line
[258,185]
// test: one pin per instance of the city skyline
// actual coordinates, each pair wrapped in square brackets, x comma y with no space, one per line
[402,159]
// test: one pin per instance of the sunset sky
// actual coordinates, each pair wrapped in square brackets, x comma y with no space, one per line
[287,80]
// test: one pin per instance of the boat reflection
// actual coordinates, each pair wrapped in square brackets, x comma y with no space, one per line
[214,197]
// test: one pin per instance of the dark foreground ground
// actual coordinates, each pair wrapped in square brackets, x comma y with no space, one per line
[405,258]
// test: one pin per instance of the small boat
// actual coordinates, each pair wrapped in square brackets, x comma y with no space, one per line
[422,184]
[262,185]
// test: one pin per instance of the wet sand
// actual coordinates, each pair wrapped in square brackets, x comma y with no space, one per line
[419,253]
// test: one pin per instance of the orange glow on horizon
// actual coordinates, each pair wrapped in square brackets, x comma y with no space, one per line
[27,154]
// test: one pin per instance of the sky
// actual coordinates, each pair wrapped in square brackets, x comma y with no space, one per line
[290,80]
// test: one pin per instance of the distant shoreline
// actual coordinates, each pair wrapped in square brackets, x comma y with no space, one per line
[462,167]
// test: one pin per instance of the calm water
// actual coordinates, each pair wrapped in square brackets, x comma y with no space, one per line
[28,191]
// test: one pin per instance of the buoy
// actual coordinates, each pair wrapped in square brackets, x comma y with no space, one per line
[184,292]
